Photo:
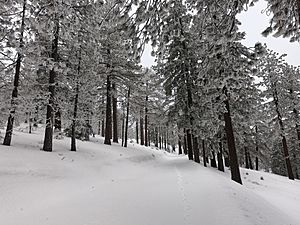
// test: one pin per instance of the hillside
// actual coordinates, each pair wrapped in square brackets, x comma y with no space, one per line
[111,185]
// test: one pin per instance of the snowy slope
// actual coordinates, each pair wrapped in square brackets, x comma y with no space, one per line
[111,185]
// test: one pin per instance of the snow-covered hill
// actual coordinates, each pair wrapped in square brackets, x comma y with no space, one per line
[111,185]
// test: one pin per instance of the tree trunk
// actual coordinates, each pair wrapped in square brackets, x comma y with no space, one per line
[99,127]
[103,120]
[250,161]
[184,143]
[75,109]
[142,128]
[213,162]
[256,148]
[108,120]
[287,159]
[73,135]
[203,153]
[189,144]
[14,96]
[160,138]
[123,125]
[127,117]
[234,165]
[87,130]
[220,157]
[226,160]
[49,116]
[179,146]
[146,123]
[156,137]
[103,128]
[246,159]
[137,131]
[29,123]
[283,138]
[57,119]
[115,114]
[196,150]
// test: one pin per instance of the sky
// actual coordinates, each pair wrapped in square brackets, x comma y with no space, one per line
[254,22]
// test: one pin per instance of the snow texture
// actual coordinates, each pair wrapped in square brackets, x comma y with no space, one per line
[111,185]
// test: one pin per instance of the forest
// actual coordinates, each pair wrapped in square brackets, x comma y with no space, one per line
[73,67]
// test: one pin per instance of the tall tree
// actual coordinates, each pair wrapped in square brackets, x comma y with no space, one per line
[10,122]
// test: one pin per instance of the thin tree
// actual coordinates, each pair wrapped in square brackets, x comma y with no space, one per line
[127,118]
[115,113]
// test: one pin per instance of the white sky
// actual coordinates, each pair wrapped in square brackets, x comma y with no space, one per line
[254,22]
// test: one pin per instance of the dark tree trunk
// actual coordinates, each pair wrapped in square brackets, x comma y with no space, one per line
[137,131]
[250,161]
[220,157]
[115,114]
[146,123]
[226,160]
[99,127]
[30,123]
[142,128]
[287,159]
[165,141]
[246,159]
[179,146]
[203,153]
[160,138]
[156,137]
[103,120]
[283,138]
[189,144]
[196,150]
[127,117]
[123,125]
[49,116]
[73,128]
[103,128]
[256,148]
[108,120]
[234,165]
[87,130]
[57,120]
[256,163]
[73,135]
[14,96]
[213,162]
[184,143]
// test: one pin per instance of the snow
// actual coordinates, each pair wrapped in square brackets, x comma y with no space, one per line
[111,185]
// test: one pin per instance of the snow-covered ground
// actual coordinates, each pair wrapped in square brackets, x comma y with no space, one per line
[111,185]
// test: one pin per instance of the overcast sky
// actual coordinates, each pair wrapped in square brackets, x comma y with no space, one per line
[253,23]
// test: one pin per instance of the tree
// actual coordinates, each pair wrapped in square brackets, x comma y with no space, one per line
[10,122]
[271,71]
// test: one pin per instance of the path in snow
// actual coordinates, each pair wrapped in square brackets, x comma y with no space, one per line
[110,185]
